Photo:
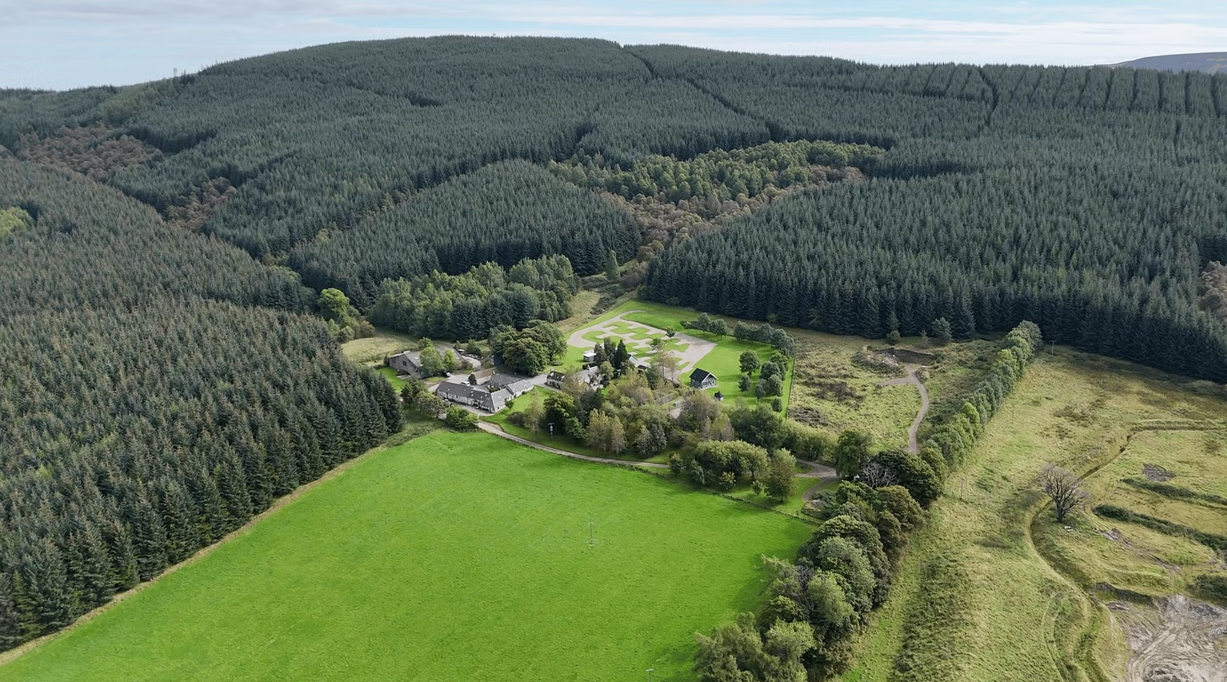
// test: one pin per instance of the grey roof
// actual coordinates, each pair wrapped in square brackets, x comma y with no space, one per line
[496,400]
[501,380]
[455,391]
[701,375]
[555,375]
[412,356]
[520,387]
[490,401]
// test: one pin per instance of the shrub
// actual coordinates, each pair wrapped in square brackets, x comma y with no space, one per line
[460,419]
[1212,588]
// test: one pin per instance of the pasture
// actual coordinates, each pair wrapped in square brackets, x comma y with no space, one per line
[453,557]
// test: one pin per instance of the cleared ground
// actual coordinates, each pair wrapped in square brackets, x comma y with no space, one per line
[832,391]
[983,595]
[454,557]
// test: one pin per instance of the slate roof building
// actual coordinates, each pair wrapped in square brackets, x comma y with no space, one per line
[473,396]
[701,379]
[554,379]
[407,363]
[482,376]
[515,385]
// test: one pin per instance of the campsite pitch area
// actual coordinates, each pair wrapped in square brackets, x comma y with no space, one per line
[639,322]
[453,557]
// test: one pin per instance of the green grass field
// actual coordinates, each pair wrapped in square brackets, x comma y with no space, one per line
[374,349]
[453,557]
[1024,609]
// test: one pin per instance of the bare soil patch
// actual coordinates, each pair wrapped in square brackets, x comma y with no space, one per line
[1180,640]
[1157,473]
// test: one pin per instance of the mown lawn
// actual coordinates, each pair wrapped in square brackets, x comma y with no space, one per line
[453,557]
[724,360]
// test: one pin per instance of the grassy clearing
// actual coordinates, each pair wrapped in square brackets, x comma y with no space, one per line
[390,374]
[831,391]
[454,557]
[374,349]
[1131,557]
[1024,620]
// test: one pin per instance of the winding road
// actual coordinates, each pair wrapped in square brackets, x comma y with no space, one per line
[496,431]
[913,442]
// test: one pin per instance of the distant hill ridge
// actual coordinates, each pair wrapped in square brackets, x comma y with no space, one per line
[1209,62]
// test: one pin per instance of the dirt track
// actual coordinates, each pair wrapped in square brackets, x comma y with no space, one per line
[913,441]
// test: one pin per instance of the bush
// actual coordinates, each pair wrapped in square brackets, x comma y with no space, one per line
[460,419]
[1215,542]
[1212,588]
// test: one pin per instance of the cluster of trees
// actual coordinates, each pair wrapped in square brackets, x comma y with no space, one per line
[1211,288]
[759,333]
[529,350]
[344,321]
[469,305]
[150,404]
[815,606]
[722,464]
[13,218]
[771,375]
[630,415]
[721,175]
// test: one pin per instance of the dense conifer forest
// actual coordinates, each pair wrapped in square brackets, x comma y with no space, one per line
[151,398]
[163,245]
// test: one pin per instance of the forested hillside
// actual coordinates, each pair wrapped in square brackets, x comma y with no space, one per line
[149,404]
[1087,200]
[503,213]
[159,377]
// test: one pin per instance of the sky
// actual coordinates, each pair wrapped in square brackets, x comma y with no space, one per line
[61,44]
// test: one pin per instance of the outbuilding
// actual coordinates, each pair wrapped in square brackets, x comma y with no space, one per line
[702,379]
